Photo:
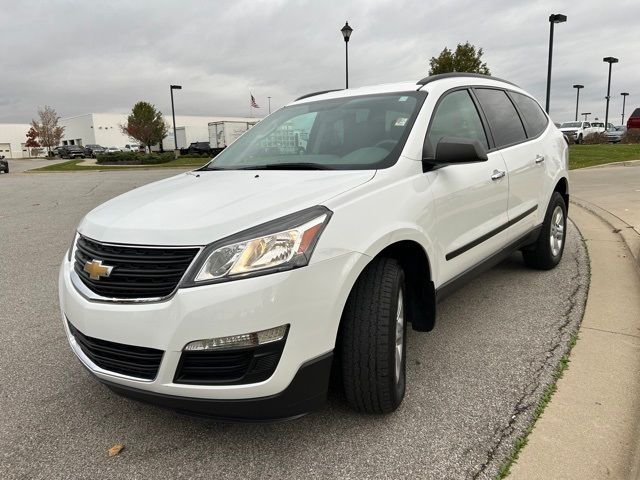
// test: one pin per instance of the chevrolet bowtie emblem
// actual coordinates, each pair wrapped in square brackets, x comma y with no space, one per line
[96,270]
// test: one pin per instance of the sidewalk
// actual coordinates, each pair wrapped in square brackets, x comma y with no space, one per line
[591,427]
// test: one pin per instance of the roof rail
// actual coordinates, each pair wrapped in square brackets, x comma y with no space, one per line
[440,76]
[317,93]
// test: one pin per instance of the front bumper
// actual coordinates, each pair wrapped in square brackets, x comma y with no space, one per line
[308,299]
[306,392]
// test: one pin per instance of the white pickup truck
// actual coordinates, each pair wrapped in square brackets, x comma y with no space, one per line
[578,131]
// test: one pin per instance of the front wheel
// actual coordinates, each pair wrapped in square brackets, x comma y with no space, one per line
[579,140]
[547,251]
[373,339]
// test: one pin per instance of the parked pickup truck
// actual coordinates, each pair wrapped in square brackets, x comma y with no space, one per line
[577,131]
[196,147]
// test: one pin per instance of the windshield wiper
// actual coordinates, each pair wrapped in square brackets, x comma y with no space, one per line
[288,166]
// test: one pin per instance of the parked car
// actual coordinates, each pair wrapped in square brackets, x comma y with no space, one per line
[4,164]
[634,119]
[615,135]
[598,127]
[71,151]
[577,130]
[197,147]
[55,151]
[133,147]
[92,150]
[231,292]
[112,150]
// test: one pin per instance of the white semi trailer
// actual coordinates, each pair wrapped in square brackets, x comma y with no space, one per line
[224,133]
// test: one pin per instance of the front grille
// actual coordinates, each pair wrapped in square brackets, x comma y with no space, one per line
[138,272]
[229,367]
[130,360]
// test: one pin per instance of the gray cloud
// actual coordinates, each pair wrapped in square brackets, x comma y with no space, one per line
[89,56]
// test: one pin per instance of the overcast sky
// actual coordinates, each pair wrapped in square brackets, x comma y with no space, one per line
[89,56]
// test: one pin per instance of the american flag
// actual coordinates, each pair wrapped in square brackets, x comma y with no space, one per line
[253,102]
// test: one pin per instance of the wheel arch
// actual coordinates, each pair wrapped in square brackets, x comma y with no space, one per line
[562,187]
[420,290]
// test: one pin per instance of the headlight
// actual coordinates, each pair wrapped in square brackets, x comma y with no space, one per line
[282,244]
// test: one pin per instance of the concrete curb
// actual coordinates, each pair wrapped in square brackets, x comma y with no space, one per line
[590,427]
[624,163]
[629,234]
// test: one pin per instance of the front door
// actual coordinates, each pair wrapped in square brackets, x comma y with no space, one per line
[470,199]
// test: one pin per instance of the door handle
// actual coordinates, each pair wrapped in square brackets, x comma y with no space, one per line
[498,174]
[539,158]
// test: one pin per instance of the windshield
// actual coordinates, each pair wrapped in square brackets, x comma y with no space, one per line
[364,132]
[596,124]
[570,125]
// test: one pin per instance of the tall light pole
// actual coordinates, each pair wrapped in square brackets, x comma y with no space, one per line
[610,61]
[173,113]
[577,87]
[269,104]
[586,114]
[553,19]
[624,99]
[346,34]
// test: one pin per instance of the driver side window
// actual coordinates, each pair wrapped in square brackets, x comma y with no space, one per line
[457,116]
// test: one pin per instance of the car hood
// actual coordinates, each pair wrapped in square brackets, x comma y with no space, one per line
[197,208]
[569,129]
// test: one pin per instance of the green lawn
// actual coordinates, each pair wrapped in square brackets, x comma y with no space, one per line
[581,156]
[72,165]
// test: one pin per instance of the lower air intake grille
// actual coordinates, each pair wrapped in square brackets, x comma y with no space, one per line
[229,367]
[139,362]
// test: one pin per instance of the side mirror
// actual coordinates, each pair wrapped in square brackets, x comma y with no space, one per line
[454,150]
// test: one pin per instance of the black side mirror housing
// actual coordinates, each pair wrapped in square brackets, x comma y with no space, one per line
[454,150]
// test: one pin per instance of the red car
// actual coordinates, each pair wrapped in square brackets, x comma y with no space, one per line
[634,119]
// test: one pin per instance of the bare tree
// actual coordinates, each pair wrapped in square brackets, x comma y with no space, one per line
[48,130]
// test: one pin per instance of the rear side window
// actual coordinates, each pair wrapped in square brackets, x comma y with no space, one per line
[456,116]
[534,118]
[636,113]
[502,116]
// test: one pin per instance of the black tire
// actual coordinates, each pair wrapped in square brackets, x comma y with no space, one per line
[368,339]
[579,140]
[540,255]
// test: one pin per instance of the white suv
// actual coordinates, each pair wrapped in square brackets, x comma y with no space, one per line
[231,290]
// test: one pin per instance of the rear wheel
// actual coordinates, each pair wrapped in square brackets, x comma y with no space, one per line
[373,340]
[547,251]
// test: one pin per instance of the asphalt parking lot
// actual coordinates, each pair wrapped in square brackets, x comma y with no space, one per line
[472,383]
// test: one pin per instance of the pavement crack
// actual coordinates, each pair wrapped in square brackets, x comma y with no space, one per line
[530,396]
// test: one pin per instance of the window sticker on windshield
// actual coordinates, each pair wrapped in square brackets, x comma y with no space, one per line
[401,122]
[403,99]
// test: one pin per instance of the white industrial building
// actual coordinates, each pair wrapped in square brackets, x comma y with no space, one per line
[104,129]
[12,139]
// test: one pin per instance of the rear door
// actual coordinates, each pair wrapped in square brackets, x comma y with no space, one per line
[470,199]
[524,157]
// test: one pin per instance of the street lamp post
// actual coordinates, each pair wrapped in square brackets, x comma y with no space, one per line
[586,114]
[610,61]
[624,99]
[553,19]
[346,34]
[269,104]
[173,114]
[577,87]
